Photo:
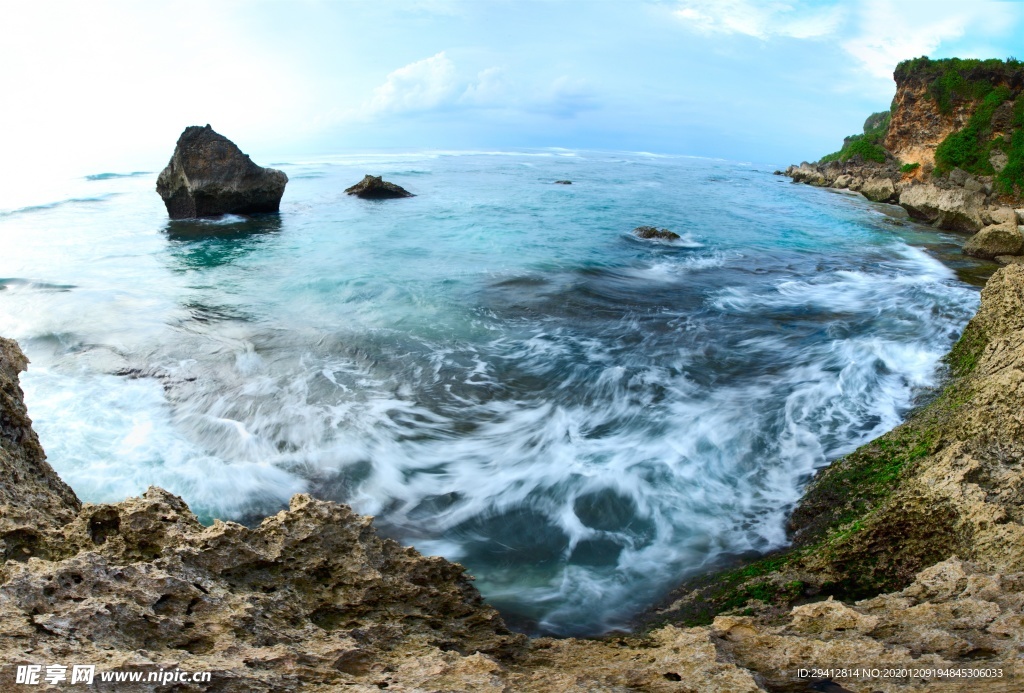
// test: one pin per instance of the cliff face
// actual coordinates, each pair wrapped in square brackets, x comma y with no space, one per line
[925,522]
[919,122]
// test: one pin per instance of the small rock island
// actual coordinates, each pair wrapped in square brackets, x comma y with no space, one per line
[208,175]
[376,188]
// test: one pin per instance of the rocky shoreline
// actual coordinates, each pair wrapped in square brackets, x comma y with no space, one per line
[960,202]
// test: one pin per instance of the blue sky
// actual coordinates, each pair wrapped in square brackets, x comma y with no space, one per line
[109,85]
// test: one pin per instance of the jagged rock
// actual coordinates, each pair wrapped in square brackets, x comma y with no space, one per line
[648,232]
[208,176]
[33,499]
[997,239]
[953,209]
[376,188]
[878,189]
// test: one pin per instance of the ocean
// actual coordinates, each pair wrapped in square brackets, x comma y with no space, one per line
[497,369]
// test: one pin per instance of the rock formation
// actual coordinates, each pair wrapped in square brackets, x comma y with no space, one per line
[908,553]
[649,232]
[946,115]
[376,188]
[563,182]
[208,176]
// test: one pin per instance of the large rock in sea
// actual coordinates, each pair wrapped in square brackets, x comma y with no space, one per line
[376,188]
[208,175]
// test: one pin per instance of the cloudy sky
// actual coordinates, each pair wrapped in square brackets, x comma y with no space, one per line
[105,85]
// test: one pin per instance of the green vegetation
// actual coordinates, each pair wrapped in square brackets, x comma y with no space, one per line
[964,355]
[1011,178]
[866,145]
[955,79]
[907,168]
[969,148]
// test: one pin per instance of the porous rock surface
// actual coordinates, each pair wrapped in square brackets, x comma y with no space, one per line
[208,175]
[376,188]
[313,600]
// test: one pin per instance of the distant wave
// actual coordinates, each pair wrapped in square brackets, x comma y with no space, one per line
[108,176]
[58,203]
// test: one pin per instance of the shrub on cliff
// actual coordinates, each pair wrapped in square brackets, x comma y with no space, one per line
[866,145]
[970,147]
[1011,178]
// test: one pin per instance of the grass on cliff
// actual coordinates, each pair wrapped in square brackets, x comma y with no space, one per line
[955,80]
[866,145]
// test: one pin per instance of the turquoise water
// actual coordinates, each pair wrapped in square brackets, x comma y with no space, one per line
[495,368]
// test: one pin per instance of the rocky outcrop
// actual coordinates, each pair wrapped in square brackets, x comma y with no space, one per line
[32,497]
[650,232]
[208,176]
[953,208]
[996,240]
[878,189]
[376,188]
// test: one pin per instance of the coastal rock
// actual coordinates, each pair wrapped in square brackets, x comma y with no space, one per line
[954,209]
[843,181]
[563,182]
[879,190]
[648,232]
[376,188]
[33,499]
[806,173]
[208,176]
[997,239]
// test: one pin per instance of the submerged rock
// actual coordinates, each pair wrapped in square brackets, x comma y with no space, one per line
[563,182]
[376,188]
[208,175]
[648,232]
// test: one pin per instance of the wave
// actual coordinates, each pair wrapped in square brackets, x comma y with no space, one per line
[92,199]
[109,176]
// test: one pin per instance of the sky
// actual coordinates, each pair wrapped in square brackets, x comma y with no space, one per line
[108,86]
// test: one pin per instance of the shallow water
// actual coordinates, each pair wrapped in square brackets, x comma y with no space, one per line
[495,368]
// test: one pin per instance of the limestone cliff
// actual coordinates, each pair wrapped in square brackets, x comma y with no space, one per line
[950,151]
[923,526]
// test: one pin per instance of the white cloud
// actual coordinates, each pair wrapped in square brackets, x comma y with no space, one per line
[566,98]
[887,32]
[877,34]
[490,89]
[761,20]
[420,86]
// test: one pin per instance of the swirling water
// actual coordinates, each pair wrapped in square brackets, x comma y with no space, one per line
[495,368]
